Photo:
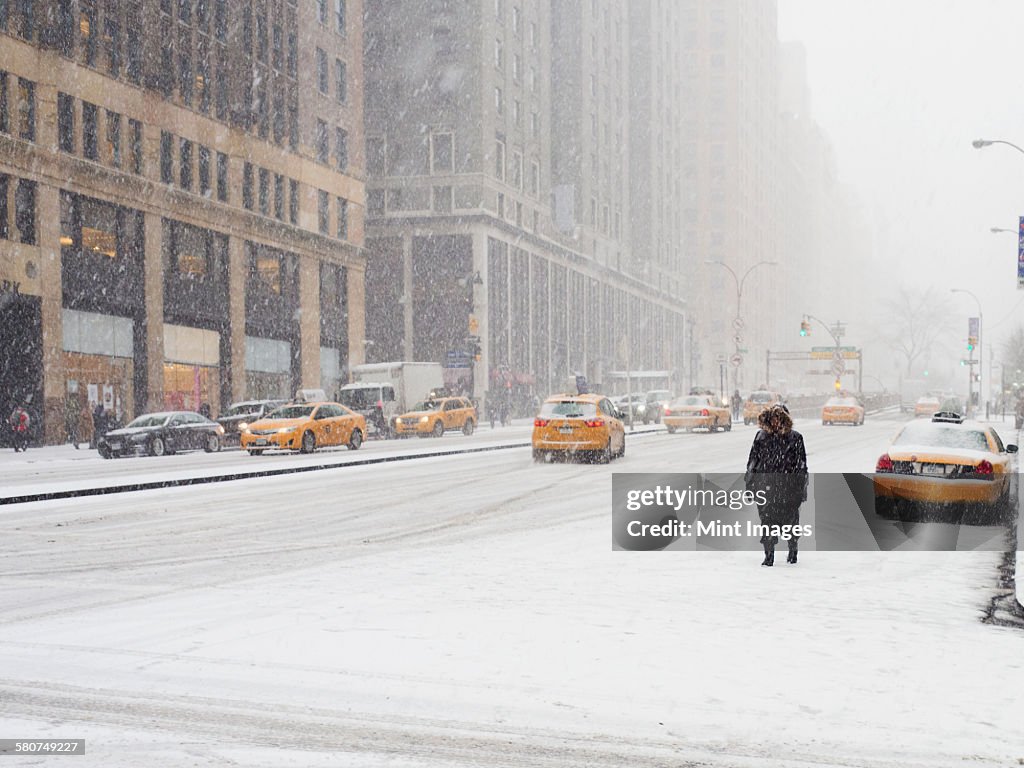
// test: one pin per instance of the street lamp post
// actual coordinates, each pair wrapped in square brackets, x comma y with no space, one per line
[982,143]
[981,341]
[738,321]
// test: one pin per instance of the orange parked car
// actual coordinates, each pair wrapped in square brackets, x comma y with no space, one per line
[579,425]
[305,427]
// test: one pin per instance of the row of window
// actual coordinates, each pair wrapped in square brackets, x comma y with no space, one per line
[256,193]
[440,147]
[512,172]
[324,215]
[17,210]
[322,141]
[17,105]
[120,137]
[323,77]
[340,14]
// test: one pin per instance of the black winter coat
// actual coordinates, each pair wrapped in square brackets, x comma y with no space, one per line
[778,465]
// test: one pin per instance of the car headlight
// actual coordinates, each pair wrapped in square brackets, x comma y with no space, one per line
[140,438]
[219,430]
[243,427]
[424,419]
[284,430]
[398,421]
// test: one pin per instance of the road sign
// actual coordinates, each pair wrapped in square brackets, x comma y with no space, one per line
[458,358]
[737,323]
[721,359]
[736,360]
[829,353]
[838,367]
[737,339]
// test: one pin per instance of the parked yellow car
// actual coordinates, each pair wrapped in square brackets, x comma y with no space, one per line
[436,416]
[305,427]
[946,463]
[697,412]
[758,401]
[843,409]
[579,425]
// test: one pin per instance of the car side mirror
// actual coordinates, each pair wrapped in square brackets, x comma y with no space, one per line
[1011,449]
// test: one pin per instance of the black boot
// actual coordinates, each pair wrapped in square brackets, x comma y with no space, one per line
[792,551]
[769,555]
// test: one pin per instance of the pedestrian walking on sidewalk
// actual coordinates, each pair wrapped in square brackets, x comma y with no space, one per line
[777,465]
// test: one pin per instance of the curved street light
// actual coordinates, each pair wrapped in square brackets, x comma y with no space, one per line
[982,143]
[997,230]
[981,339]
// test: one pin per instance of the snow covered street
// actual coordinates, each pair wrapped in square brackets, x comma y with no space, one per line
[468,610]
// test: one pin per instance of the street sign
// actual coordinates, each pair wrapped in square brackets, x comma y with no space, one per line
[1020,256]
[737,323]
[737,339]
[829,353]
[736,360]
[458,358]
[838,367]
[721,359]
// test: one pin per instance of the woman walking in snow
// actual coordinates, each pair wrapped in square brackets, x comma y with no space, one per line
[777,465]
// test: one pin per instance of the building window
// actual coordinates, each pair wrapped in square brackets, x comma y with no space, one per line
[266,266]
[321,11]
[517,112]
[135,129]
[247,186]
[321,141]
[26,109]
[322,213]
[341,148]
[114,138]
[25,211]
[293,201]
[342,218]
[534,124]
[90,142]
[517,170]
[535,179]
[66,122]
[87,30]
[376,156]
[499,159]
[498,100]
[279,196]
[4,222]
[321,71]
[442,199]
[293,54]
[499,55]
[222,177]
[517,20]
[501,205]
[166,160]
[264,191]
[339,16]
[204,171]
[517,67]
[185,169]
[277,47]
[375,205]
[341,80]
[441,159]
[112,36]
[293,129]
[5,115]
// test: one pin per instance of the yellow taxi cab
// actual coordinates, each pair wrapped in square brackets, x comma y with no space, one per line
[946,463]
[304,427]
[579,425]
[842,409]
[758,401]
[696,412]
[926,406]
[436,416]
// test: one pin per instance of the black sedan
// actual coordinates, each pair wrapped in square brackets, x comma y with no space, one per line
[157,434]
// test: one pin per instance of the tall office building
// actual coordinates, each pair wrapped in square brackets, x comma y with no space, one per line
[498,142]
[181,203]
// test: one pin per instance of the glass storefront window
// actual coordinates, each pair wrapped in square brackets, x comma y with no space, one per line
[268,269]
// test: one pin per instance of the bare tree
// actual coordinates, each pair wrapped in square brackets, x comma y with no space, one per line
[1013,355]
[914,322]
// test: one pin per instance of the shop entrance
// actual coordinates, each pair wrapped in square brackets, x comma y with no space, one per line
[21,359]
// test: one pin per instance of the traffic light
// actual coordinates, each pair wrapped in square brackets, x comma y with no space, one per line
[805,328]
[838,385]
[963,363]
[926,373]
[971,343]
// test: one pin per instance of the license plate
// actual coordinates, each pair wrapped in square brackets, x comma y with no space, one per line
[115,445]
[260,441]
[933,469]
[565,430]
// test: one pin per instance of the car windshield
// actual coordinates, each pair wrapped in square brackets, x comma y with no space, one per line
[240,409]
[692,400]
[942,436]
[658,394]
[360,398]
[426,405]
[569,409]
[928,401]
[761,397]
[149,420]
[292,412]
[844,401]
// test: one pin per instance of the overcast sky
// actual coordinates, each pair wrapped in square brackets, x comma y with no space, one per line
[902,87]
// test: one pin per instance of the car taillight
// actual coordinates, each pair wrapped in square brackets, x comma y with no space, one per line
[667,409]
[884,463]
[984,467]
[540,422]
[704,412]
[594,422]
[380,404]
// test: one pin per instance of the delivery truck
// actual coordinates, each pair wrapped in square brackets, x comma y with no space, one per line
[383,391]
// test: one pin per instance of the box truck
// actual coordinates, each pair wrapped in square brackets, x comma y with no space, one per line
[382,391]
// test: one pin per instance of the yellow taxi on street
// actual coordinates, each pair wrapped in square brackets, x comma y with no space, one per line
[696,412]
[579,425]
[758,401]
[842,409]
[304,427]
[436,416]
[948,464]
[926,406]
